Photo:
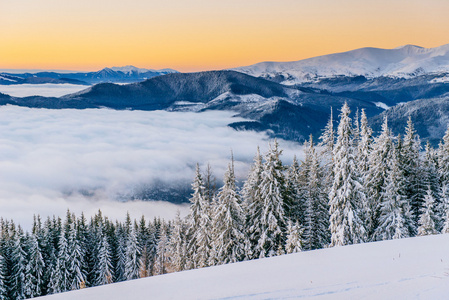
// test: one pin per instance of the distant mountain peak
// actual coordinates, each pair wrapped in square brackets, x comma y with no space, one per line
[402,62]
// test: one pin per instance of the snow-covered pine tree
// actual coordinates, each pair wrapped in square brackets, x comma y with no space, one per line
[122,238]
[75,259]
[295,192]
[34,269]
[3,283]
[363,154]
[272,220]
[443,159]
[229,239]
[377,174]
[19,263]
[177,250]
[294,241]
[410,164]
[103,269]
[316,220]
[427,217]
[132,256]
[431,179]
[199,247]
[395,217]
[346,195]
[252,206]
[445,201]
[162,259]
[327,144]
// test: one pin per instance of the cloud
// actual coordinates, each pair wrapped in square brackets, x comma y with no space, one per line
[51,160]
[47,89]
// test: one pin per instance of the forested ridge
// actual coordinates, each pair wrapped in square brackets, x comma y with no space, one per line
[352,187]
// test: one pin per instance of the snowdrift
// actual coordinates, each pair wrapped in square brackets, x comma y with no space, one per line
[413,268]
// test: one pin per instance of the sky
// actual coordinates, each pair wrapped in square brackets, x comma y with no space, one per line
[194,35]
[85,160]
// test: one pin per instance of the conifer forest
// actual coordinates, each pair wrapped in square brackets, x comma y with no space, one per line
[351,187]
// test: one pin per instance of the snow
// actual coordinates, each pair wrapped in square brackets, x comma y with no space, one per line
[405,61]
[47,89]
[7,79]
[413,268]
[381,105]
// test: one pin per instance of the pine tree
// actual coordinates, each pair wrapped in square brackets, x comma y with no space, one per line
[316,215]
[377,174]
[445,201]
[427,217]
[177,250]
[252,206]
[294,241]
[363,158]
[295,183]
[161,263]
[272,220]
[346,193]
[443,159]
[34,269]
[3,283]
[103,268]
[228,226]
[395,217]
[431,179]
[410,164]
[327,145]
[200,244]
[19,263]
[75,259]
[132,262]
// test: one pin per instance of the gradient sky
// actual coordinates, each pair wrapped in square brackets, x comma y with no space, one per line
[192,35]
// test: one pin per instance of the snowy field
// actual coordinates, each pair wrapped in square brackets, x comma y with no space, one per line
[51,160]
[47,89]
[413,268]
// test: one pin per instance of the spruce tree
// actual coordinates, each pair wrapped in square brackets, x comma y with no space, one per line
[200,225]
[19,263]
[252,205]
[229,220]
[427,217]
[294,241]
[346,194]
[132,256]
[410,164]
[377,174]
[35,269]
[272,220]
[395,217]
[177,250]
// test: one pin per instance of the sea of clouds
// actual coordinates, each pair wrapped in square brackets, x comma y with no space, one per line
[85,160]
[47,89]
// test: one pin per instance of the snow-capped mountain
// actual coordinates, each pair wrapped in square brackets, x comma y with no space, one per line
[404,62]
[127,74]
[129,70]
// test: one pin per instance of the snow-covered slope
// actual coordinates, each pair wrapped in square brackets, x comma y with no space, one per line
[405,61]
[414,268]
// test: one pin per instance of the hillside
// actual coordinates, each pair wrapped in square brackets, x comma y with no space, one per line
[406,61]
[413,268]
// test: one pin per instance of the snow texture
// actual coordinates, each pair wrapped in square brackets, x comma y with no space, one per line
[412,268]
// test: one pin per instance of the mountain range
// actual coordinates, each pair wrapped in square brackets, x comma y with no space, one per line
[287,99]
[125,74]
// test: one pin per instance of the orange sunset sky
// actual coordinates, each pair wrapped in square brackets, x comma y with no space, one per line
[192,35]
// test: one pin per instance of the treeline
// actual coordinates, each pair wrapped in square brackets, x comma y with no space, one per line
[352,188]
